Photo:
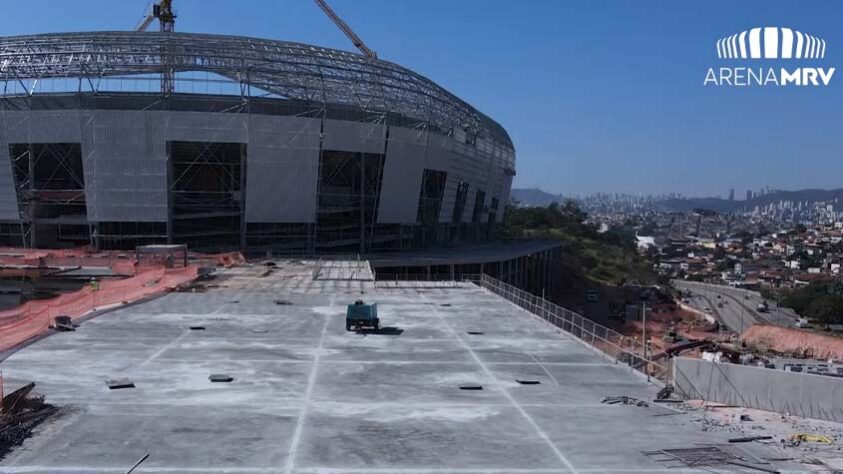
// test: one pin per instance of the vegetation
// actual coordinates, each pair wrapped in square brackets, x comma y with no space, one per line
[821,302]
[604,257]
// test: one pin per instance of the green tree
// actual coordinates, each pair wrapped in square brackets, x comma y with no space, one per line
[827,309]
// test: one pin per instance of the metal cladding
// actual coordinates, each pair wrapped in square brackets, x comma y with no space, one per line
[288,70]
[260,144]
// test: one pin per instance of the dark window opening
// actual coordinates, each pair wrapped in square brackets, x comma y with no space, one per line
[479,201]
[430,197]
[50,186]
[206,181]
[493,210]
[348,199]
[129,235]
[459,202]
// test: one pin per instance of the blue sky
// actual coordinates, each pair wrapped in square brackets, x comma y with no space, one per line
[597,95]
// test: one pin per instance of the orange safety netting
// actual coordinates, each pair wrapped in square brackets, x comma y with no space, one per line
[34,317]
[121,263]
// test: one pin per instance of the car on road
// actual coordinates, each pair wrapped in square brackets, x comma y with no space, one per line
[803,323]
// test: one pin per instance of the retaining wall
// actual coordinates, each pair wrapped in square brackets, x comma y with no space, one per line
[808,395]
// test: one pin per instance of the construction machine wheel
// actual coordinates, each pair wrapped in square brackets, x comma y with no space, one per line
[347,326]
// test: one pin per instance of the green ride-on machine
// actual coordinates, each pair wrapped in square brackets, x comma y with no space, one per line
[361,315]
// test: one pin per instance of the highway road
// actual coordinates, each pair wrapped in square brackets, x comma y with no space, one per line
[734,307]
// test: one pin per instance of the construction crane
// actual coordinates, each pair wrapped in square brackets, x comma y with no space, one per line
[358,43]
[163,11]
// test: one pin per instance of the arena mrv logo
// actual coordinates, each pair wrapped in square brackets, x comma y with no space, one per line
[799,53]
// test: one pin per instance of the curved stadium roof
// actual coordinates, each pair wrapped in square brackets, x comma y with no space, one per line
[288,70]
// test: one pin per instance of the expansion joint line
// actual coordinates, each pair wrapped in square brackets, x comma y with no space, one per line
[311,382]
[509,396]
[178,339]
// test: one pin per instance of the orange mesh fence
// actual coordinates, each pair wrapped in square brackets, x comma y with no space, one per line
[34,317]
[121,263]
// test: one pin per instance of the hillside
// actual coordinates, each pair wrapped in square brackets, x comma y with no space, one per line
[534,197]
[539,198]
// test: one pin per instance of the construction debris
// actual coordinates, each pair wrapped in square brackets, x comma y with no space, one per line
[135,466]
[748,439]
[624,400]
[220,378]
[64,323]
[798,438]
[665,392]
[116,384]
[708,457]
[22,411]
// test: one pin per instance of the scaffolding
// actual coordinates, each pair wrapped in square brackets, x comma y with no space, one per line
[202,183]
[50,187]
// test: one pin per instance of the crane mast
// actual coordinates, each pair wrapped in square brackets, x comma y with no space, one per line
[343,26]
[163,11]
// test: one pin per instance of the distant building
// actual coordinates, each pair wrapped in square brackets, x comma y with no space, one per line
[732,194]
[749,195]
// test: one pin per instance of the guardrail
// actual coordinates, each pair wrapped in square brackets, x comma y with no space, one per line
[434,280]
[608,342]
[731,290]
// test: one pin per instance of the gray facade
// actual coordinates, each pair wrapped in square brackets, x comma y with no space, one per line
[124,155]
[119,139]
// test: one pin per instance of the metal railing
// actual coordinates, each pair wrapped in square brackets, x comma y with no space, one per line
[725,289]
[435,280]
[610,343]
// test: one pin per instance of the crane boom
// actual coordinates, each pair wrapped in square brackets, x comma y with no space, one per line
[163,11]
[343,26]
[146,22]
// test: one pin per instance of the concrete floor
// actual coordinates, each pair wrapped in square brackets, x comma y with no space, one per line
[309,397]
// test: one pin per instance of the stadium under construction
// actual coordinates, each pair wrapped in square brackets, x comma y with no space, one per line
[119,139]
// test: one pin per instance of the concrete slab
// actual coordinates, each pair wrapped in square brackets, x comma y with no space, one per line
[309,397]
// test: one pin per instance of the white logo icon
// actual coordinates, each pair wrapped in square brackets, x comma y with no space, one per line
[778,43]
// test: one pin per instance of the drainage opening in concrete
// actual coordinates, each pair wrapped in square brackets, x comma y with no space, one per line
[197,328]
[234,301]
[445,304]
[116,384]
[476,333]
[471,386]
[283,302]
[220,378]
[528,381]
